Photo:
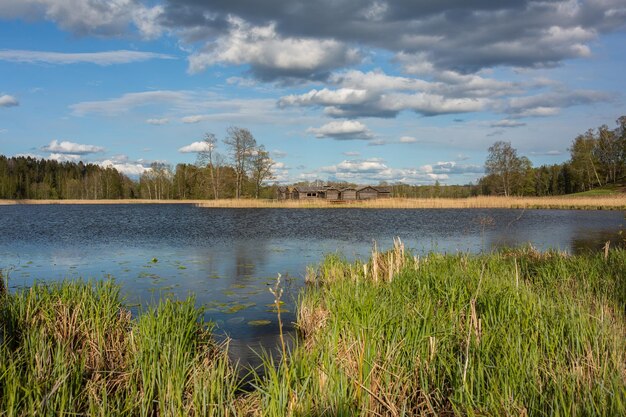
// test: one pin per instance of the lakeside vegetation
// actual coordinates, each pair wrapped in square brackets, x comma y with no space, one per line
[246,170]
[515,332]
[595,200]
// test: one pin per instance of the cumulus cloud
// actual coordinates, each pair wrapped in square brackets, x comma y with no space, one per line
[444,35]
[8,101]
[374,170]
[132,169]
[158,121]
[71,148]
[453,168]
[549,104]
[272,56]
[342,130]
[64,157]
[98,58]
[195,147]
[89,17]
[376,94]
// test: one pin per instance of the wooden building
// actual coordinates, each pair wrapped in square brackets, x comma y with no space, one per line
[332,194]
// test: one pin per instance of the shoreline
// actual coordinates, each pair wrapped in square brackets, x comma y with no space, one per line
[613,202]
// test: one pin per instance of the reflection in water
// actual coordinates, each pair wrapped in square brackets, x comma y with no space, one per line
[228,259]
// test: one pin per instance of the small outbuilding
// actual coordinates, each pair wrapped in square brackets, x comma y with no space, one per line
[367,193]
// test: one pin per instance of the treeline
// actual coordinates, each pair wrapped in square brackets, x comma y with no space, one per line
[597,159]
[31,178]
[241,172]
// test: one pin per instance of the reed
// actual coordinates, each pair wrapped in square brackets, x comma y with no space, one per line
[573,202]
[518,332]
[72,348]
[609,202]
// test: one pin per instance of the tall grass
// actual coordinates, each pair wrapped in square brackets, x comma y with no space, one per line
[607,202]
[517,332]
[593,201]
[72,348]
[513,333]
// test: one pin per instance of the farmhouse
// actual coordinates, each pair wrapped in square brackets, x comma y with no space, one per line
[332,193]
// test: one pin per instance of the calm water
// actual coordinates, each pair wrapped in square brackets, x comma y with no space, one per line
[228,258]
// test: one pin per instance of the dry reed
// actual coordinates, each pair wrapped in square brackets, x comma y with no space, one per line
[612,202]
[608,202]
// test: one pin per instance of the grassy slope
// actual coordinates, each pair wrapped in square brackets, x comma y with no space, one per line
[608,190]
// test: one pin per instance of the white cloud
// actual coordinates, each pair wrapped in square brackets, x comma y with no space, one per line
[98,58]
[8,101]
[507,123]
[352,153]
[95,17]
[270,55]
[342,130]
[129,101]
[326,97]
[127,168]
[408,139]
[377,94]
[158,121]
[374,170]
[195,147]
[69,148]
[64,157]
[196,118]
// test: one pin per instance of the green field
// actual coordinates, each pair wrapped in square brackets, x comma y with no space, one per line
[516,332]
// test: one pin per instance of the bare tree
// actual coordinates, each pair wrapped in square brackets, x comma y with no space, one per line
[241,144]
[260,168]
[211,161]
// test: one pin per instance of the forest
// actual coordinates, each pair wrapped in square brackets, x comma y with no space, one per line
[245,170]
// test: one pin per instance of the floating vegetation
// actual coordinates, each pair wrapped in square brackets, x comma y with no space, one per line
[235,308]
[259,322]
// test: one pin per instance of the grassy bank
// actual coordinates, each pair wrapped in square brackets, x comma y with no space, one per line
[593,201]
[73,349]
[518,333]
[512,333]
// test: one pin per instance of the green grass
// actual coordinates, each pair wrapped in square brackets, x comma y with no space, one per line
[458,335]
[607,190]
[73,349]
[512,333]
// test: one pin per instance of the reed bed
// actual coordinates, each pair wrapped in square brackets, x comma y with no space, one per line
[73,349]
[609,202]
[599,202]
[517,333]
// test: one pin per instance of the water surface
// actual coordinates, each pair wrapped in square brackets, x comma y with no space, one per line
[228,258]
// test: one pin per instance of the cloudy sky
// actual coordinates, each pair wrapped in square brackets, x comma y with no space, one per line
[356,90]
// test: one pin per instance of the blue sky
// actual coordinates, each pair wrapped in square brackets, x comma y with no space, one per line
[362,91]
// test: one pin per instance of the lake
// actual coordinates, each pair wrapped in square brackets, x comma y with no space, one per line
[229,258]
